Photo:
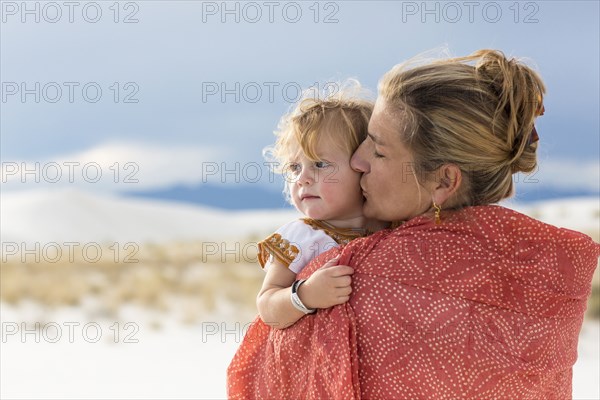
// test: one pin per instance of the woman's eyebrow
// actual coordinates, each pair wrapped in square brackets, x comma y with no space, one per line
[376,139]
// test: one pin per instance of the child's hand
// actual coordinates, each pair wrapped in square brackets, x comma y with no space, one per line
[328,286]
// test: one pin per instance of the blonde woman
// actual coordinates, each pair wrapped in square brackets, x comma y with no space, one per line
[465,299]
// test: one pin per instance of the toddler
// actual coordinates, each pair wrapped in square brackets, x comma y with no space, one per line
[314,145]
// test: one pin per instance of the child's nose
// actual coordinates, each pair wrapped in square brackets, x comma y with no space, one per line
[306,177]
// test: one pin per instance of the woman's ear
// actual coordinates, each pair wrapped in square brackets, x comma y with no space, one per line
[448,179]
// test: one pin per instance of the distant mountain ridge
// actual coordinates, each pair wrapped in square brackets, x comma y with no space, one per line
[252,197]
[228,197]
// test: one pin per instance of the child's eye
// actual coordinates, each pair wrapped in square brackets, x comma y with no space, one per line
[294,167]
[321,164]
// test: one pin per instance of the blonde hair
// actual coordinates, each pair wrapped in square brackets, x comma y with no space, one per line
[476,112]
[341,115]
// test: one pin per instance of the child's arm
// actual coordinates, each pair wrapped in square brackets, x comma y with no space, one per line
[327,287]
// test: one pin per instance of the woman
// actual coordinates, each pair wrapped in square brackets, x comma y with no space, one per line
[465,299]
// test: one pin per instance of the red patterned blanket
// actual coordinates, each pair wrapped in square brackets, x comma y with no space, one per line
[487,305]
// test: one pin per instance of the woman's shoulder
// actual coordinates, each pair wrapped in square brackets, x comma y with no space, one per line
[558,240]
[503,220]
[493,228]
[484,224]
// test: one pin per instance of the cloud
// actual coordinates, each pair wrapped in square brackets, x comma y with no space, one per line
[118,167]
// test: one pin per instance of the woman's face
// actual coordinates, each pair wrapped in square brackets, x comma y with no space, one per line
[389,184]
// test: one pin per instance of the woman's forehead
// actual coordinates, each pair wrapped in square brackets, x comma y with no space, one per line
[387,123]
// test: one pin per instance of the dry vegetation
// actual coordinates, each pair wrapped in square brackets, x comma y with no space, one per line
[178,277]
[157,277]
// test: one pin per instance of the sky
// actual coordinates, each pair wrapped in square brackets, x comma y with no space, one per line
[126,96]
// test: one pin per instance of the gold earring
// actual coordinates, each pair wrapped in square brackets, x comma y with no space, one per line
[437,212]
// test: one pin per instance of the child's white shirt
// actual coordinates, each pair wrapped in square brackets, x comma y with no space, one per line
[294,245]
[297,242]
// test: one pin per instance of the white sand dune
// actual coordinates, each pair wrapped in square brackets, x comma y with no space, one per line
[176,362]
[70,215]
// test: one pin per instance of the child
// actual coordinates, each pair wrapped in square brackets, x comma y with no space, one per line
[314,145]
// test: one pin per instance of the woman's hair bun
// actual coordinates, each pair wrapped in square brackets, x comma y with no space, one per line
[520,93]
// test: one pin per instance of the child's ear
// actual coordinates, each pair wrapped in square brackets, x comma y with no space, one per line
[447,183]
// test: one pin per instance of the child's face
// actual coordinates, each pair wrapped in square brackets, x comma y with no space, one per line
[327,189]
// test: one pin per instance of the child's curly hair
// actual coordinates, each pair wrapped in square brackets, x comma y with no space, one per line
[341,115]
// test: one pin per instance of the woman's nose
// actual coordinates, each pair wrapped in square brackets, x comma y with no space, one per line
[358,162]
